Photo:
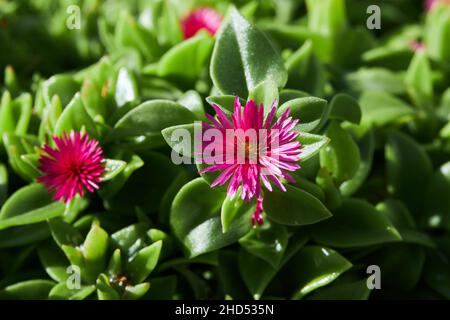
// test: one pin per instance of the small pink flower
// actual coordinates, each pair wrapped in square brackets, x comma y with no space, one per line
[429,4]
[202,18]
[416,46]
[266,157]
[74,164]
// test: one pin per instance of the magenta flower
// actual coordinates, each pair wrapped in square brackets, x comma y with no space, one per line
[73,165]
[202,18]
[268,149]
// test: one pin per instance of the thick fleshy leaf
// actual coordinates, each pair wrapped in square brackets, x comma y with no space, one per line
[268,242]
[408,170]
[357,290]
[419,80]
[306,71]
[31,204]
[341,156]
[54,262]
[257,273]
[354,224]
[186,60]
[112,168]
[75,117]
[366,145]
[143,263]
[62,85]
[149,118]
[62,292]
[28,290]
[311,144]
[126,88]
[379,109]
[196,221]
[376,80]
[235,69]
[3,183]
[345,108]
[16,147]
[182,138]
[311,112]
[311,268]
[294,207]
[130,239]
[437,214]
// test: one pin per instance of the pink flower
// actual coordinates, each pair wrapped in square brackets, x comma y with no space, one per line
[202,18]
[429,4]
[416,46]
[268,149]
[74,164]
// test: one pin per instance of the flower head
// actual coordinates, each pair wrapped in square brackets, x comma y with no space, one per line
[73,165]
[255,149]
[202,18]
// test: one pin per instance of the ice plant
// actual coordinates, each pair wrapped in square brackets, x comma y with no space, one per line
[202,18]
[75,164]
[269,149]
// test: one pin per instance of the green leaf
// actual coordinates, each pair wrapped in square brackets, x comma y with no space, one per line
[311,144]
[126,88]
[62,85]
[266,93]
[136,292]
[16,147]
[186,60]
[392,261]
[193,102]
[61,292]
[376,80]
[306,72]
[182,138]
[345,108]
[31,204]
[257,273]
[311,112]
[75,117]
[94,252]
[64,233]
[28,290]
[23,235]
[162,288]
[131,34]
[313,267]
[225,102]
[379,109]
[341,157]
[437,199]
[404,157]
[402,220]
[3,183]
[235,69]
[53,261]
[355,224]
[112,168]
[343,291]
[149,118]
[130,240]
[233,209]
[143,263]
[294,207]
[196,221]
[268,242]
[419,79]
[366,146]
[104,289]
